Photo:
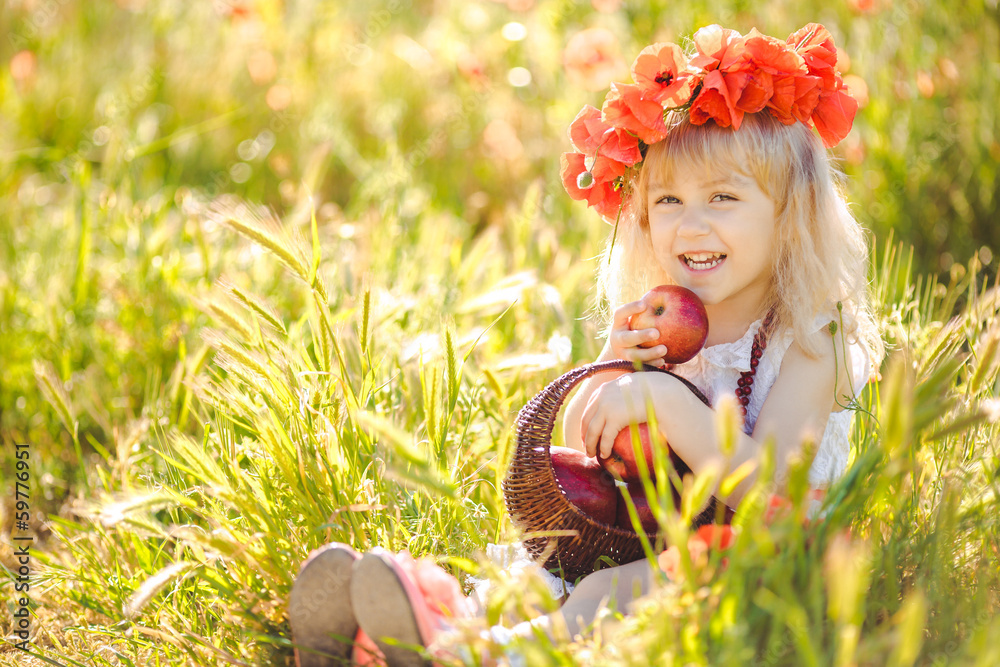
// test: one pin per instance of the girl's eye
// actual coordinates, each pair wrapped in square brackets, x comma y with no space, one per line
[668,199]
[724,197]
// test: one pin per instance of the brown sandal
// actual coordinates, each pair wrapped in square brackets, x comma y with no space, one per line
[320,610]
[392,611]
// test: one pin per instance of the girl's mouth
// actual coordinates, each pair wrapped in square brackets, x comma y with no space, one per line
[702,261]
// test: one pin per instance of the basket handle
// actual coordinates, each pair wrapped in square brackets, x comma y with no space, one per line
[536,420]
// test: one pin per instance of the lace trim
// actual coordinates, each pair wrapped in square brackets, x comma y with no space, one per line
[735,355]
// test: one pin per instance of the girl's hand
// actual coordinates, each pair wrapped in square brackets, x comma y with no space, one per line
[614,406]
[625,342]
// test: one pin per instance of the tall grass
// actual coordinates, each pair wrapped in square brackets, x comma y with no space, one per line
[357,411]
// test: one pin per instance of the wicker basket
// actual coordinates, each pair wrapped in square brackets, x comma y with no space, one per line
[537,505]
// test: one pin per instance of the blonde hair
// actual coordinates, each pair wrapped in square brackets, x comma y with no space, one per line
[821,251]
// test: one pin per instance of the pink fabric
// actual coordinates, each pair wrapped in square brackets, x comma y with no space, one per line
[366,652]
[441,592]
[435,596]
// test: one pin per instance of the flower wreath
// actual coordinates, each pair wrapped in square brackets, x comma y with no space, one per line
[731,75]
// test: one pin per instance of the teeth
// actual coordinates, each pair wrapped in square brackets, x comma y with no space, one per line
[702,261]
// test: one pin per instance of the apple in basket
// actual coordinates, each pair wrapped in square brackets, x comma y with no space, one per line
[585,484]
[680,317]
[646,518]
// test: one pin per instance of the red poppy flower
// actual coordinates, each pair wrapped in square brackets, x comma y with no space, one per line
[782,99]
[807,91]
[716,536]
[472,68]
[704,540]
[660,70]
[757,91]
[834,115]
[587,129]
[772,55]
[795,80]
[592,58]
[670,562]
[591,135]
[625,107]
[602,194]
[777,506]
[716,99]
[604,169]
[718,48]
[23,66]
[815,44]
[612,205]
[865,6]
[621,146]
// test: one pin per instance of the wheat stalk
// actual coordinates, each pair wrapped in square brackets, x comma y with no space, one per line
[265,230]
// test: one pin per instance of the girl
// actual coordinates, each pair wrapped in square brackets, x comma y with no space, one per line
[715,180]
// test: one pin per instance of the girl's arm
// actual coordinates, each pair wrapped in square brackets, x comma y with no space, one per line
[796,410]
[622,343]
[574,409]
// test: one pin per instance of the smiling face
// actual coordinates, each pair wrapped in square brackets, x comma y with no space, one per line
[713,231]
[797,251]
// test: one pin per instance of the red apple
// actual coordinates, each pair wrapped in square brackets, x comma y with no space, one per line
[680,317]
[622,463]
[646,518]
[585,484]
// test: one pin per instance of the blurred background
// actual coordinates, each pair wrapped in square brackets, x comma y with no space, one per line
[423,137]
[263,99]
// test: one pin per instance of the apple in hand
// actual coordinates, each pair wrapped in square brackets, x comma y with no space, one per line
[622,463]
[680,317]
[586,485]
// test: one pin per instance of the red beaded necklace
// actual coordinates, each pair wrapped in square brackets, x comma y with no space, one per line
[745,384]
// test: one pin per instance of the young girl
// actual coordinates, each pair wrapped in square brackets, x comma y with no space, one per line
[713,175]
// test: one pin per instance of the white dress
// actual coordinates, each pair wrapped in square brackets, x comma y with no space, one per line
[715,371]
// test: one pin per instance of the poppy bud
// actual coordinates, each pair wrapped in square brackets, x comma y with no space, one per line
[585,180]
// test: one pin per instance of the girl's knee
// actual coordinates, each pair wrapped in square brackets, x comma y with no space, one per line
[618,584]
[595,585]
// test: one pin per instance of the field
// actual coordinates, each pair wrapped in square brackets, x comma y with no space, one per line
[274,274]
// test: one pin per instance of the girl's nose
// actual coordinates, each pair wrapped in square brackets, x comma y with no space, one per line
[692,224]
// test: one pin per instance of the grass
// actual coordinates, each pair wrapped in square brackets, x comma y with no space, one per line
[210,388]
